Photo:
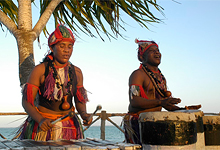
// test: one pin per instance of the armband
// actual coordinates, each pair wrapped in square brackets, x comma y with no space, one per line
[137,90]
[82,94]
[134,91]
[28,93]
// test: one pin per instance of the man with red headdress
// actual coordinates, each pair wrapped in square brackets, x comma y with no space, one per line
[147,90]
[54,83]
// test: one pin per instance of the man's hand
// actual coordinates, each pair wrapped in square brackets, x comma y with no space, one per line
[45,124]
[170,102]
[86,119]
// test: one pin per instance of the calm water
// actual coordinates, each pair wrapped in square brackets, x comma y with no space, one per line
[111,133]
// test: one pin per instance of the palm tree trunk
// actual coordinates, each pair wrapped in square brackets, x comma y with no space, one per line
[25,38]
[26,57]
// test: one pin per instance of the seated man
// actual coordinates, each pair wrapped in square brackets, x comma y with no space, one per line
[58,83]
[147,90]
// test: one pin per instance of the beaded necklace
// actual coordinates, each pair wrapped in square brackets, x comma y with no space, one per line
[64,89]
[54,89]
[158,84]
[66,86]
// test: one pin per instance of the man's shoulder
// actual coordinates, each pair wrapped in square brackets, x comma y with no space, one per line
[136,76]
[40,67]
[37,72]
[77,69]
[139,75]
[137,72]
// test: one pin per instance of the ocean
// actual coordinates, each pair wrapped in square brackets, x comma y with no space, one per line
[111,133]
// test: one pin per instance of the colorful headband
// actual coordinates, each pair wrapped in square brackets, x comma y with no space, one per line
[61,33]
[144,45]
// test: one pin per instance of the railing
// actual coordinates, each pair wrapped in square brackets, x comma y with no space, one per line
[103,116]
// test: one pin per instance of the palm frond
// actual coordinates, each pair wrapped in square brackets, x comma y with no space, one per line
[10,9]
[102,15]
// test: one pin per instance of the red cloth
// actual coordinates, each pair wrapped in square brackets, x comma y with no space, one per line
[61,33]
[28,93]
[81,94]
[141,91]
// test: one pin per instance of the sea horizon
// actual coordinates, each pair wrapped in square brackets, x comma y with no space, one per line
[112,133]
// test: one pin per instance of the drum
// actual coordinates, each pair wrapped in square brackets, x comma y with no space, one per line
[212,131]
[200,144]
[167,130]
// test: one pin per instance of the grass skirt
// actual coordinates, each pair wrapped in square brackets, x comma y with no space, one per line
[68,129]
[131,127]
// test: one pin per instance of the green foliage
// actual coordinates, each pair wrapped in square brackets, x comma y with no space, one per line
[10,9]
[99,15]
[81,15]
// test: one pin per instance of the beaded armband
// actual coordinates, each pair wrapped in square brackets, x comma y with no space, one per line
[28,93]
[134,91]
[82,94]
[137,90]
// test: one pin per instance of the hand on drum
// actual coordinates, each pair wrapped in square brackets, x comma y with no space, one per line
[170,101]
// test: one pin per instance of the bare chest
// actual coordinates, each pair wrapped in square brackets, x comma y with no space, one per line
[150,85]
[149,88]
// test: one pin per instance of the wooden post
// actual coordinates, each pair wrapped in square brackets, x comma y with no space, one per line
[2,136]
[103,118]
[91,124]
[115,125]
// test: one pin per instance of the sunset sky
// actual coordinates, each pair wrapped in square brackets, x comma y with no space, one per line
[188,39]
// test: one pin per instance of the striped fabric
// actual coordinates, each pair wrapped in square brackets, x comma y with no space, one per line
[68,129]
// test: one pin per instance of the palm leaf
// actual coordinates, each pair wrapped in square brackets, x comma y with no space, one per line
[85,15]
[10,9]
[100,15]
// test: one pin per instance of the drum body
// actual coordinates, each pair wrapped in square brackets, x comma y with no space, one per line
[167,130]
[212,131]
[200,144]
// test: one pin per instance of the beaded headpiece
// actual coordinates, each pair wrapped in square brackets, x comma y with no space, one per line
[144,45]
[61,33]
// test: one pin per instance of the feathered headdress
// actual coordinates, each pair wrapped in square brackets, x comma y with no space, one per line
[144,45]
[61,33]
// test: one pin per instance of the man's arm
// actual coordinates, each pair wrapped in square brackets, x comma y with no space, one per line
[137,78]
[81,106]
[34,80]
[138,102]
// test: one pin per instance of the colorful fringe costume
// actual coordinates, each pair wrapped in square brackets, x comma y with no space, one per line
[69,128]
[59,87]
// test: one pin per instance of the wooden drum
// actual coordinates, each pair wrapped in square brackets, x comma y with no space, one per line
[212,131]
[167,130]
[200,144]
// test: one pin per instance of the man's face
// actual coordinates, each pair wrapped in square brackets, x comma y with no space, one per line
[62,52]
[152,56]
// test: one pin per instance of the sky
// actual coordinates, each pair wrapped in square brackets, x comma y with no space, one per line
[188,39]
